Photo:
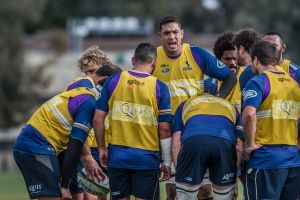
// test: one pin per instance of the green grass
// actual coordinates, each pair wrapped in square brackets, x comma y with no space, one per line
[12,187]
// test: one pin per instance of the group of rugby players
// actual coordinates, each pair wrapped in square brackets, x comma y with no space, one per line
[164,121]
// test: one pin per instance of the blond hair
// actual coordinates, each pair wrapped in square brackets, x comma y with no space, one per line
[93,55]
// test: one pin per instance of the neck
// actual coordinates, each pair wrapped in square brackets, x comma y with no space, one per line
[142,68]
[268,68]
[280,60]
[248,60]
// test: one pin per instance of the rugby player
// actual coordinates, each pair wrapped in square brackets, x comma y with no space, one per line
[199,143]
[139,111]
[182,67]
[94,81]
[270,120]
[62,123]
[89,62]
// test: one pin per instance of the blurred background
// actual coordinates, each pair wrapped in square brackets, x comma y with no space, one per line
[41,41]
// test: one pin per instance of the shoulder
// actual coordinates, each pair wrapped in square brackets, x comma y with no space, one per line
[198,50]
[113,77]
[161,84]
[259,79]
[247,70]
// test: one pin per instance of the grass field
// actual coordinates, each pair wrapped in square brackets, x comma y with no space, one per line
[12,187]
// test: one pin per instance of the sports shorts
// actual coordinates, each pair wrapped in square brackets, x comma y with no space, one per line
[41,174]
[272,183]
[199,153]
[139,183]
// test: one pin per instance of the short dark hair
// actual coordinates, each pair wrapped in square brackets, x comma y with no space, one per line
[274,32]
[169,19]
[246,38]
[224,43]
[144,53]
[108,70]
[266,52]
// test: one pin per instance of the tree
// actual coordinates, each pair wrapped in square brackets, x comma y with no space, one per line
[13,14]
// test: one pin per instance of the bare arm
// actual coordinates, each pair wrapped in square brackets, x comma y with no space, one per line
[164,130]
[175,146]
[239,152]
[92,168]
[99,129]
[165,144]
[249,127]
[85,150]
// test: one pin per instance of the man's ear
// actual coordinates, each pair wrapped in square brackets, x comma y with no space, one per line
[182,32]
[255,61]
[242,50]
[283,48]
[133,61]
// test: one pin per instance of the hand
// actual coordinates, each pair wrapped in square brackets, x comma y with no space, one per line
[250,148]
[65,194]
[93,170]
[165,172]
[103,154]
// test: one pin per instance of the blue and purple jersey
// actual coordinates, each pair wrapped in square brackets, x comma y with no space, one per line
[269,156]
[81,108]
[208,125]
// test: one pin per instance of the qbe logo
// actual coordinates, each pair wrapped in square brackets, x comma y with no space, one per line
[249,94]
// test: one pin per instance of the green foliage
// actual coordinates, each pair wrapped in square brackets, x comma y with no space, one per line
[263,15]
[13,14]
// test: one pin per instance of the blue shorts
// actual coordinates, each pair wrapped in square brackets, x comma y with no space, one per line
[272,183]
[199,153]
[139,183]
[41,174]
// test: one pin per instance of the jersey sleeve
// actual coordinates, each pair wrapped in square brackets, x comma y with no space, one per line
[209,64]
[177,124]
[164,103]
[254,92]
[83,120]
